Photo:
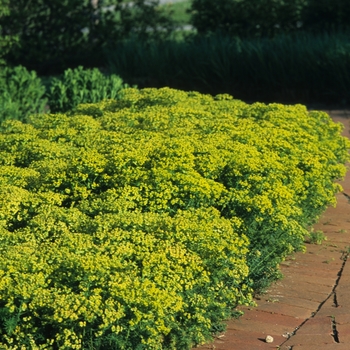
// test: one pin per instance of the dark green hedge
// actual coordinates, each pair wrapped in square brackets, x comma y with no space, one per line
[266,18]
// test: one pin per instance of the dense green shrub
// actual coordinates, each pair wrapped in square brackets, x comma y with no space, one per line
[58,34]
[21,93]
[266,18]
[6,41]
[145,20]
[49,32]
[247,18]
[327,15]
[126,225]
[82,86]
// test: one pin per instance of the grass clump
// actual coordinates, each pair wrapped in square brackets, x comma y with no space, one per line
[316,237]
[299,68]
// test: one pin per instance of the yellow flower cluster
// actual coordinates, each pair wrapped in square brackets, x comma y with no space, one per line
[141,223]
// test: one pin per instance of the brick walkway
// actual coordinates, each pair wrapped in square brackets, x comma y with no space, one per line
[309,309]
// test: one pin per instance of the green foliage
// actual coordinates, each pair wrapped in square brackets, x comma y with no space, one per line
[180,11]
[140,223]
[316,237]
[327,15]
[59,34]
[145,20]
[21,94]
[266,18]
[80,85]
[49,32]
[303,67]
[247,18]
[6,41]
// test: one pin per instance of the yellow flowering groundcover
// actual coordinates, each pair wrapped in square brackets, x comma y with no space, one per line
[141,223]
